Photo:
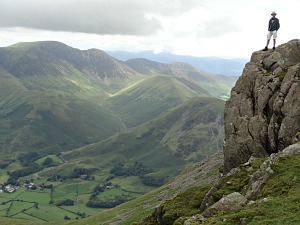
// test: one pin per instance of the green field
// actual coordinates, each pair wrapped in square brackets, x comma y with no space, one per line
[51,213]
[40,205]
[116,192]
[17,207]
[34,204]
[42,197]
[72,189]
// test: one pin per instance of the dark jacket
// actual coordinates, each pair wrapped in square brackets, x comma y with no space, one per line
[273,24]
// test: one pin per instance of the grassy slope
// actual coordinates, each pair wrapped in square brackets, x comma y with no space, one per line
[105,161]
[281,192]
[62,112]
[150,98]
[63,109]
[190,132]
[52,112]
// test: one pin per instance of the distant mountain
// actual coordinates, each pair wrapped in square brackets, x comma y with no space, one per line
[212,65]
[52,58]
[55,97]
[134,123]
[217,85]
[151,97]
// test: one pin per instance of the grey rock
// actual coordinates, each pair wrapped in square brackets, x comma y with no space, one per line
[263,173]
[262,115]
[227,203]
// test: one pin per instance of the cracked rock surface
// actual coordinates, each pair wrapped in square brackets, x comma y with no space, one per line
[263,114]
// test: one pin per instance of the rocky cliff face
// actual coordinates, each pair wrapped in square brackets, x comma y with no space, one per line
[263,114]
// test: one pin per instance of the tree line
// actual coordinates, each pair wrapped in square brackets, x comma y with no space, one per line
[140,170]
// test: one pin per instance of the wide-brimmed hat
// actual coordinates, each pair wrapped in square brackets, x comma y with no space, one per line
[273,13]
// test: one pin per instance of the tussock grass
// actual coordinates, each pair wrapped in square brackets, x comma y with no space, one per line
[282,191]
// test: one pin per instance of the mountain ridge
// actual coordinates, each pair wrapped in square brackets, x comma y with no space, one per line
[59,54]
[54,71]
[53,58]
[212,65]
[108,123]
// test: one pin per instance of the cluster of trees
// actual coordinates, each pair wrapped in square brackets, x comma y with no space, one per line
[48,162]
[82,215]
[55,178]
[153,181]
[47,186]
[67,218]
[3,165]
[97,190]
[28,157]
[77,172]
[107,204]
[66,202]
[138,169]
[29,169]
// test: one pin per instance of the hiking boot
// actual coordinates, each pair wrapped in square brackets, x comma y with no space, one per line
[265,49]
[274,48]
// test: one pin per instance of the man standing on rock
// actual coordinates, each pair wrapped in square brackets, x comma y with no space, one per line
[273,28]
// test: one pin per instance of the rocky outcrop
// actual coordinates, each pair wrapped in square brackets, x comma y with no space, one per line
[263,114]
[248,194]
[227,203]
[265,171]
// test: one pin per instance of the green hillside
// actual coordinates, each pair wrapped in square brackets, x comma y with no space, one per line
[55,97]
[143,158]
[187,133]
[276,202]
[149,98]
[51,114]
[90,132]
[214,84]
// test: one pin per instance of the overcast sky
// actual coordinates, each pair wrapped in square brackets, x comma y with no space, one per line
[231,28]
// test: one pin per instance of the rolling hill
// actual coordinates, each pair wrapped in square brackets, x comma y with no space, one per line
[151,97]
[188,133]
[129,124]
[54,97]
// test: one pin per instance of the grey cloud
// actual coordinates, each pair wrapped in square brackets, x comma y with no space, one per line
[128,17]
[100,17]
[219,26]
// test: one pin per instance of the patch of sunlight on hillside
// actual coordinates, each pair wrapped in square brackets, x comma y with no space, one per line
[80,84]
[128,87]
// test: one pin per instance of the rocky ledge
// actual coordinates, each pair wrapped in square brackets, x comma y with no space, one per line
[249,193]
[263,114]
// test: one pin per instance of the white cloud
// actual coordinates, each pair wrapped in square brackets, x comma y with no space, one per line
[230,28]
